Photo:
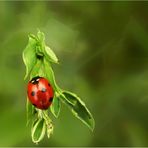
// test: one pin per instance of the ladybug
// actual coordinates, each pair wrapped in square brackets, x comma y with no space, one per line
[40,92]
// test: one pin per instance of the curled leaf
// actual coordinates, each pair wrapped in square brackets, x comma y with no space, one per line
[38,130]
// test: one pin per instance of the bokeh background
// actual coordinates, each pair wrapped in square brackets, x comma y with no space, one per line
[103,53]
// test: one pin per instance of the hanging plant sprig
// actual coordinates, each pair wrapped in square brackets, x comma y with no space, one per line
[43,94]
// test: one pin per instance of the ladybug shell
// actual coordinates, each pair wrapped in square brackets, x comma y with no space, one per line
[40,92]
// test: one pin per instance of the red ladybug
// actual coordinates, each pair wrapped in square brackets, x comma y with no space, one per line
[40,92]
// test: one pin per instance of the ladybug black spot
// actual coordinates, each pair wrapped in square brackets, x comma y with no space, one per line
[48,84]
[32,93]
[43,90]
[50,99]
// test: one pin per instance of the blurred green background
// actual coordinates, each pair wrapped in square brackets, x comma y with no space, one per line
[103,52]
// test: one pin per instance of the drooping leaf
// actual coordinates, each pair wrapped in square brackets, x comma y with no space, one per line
[78,108]
[38,130]
[55,106]
[29,55]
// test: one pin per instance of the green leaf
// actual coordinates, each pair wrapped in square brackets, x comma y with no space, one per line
[29,55]
[78,108]
[55,106]
[41,41]
[50,75]
[41,37]
[38,130]
[38,69]
[50,55]
[30,111]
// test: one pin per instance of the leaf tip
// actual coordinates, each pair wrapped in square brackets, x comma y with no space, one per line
[92,127]
[57,62]
[56,115]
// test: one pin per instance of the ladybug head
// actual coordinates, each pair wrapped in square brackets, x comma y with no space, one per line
[35,80]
